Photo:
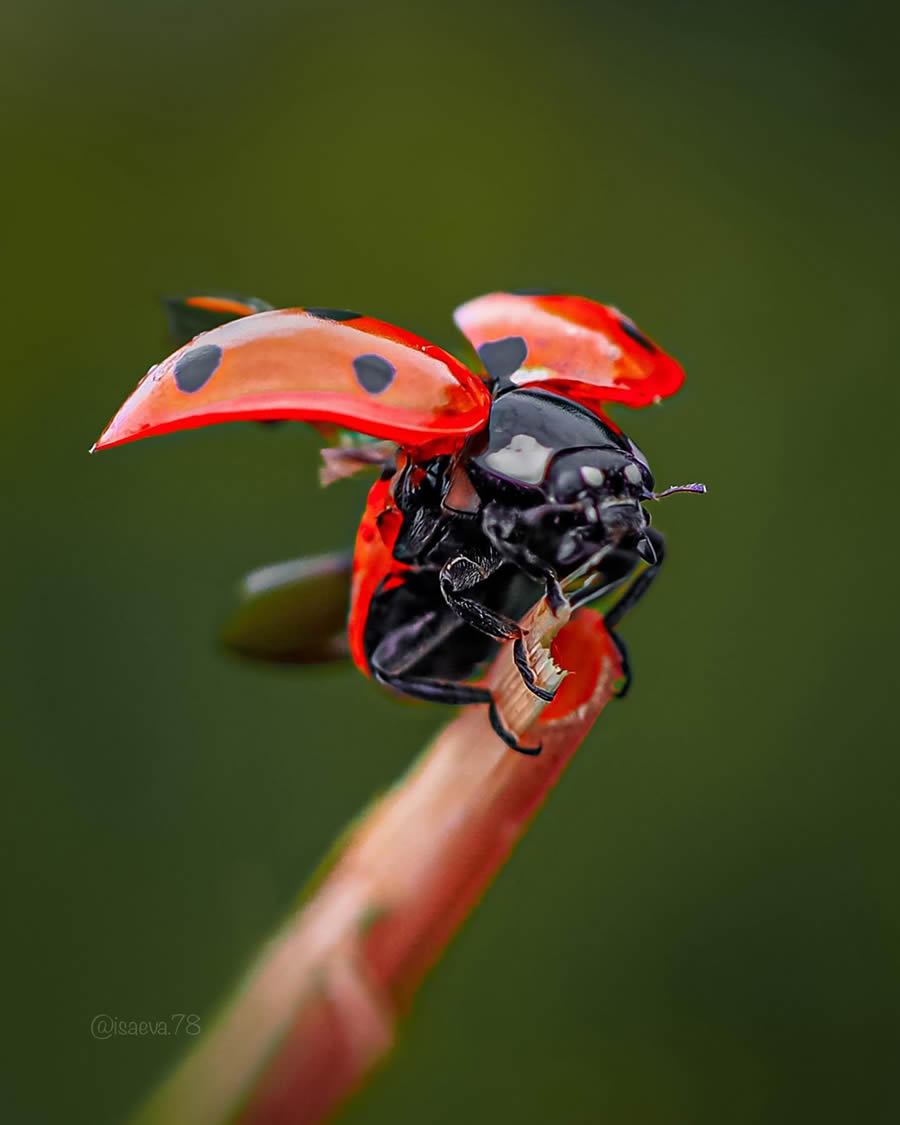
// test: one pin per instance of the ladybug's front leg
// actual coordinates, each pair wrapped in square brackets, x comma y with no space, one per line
[461,574]
[656,555]
[644,581]
[509,531]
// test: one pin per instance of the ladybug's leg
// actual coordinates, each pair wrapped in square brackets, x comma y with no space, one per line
[620,563]
[446,691]
[642,583]
[623,564]
[402,648]
[624,661]
[630,599]
[461,574]
[589,594]
[433,691]
[508,533]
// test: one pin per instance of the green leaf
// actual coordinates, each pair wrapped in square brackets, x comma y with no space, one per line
[293,612]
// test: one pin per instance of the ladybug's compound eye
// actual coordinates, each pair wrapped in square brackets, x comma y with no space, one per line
[646,475]
[632,474]
[638,479]
[635,478]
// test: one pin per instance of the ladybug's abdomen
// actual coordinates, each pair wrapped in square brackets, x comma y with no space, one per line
[447,648]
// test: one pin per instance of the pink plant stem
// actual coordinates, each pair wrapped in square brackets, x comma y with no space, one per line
[320,1005]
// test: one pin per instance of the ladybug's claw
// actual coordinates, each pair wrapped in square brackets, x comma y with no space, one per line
[520,656]
[624,661]
[507,736]
[555,595]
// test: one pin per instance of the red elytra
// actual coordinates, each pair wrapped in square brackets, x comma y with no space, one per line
[292,364]
[373,564]
[589,352]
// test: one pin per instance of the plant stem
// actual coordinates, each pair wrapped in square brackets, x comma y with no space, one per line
[321,1004]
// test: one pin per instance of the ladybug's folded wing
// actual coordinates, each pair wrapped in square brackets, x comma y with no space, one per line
[293,612]
[189,316]
[310,365]
[586,351]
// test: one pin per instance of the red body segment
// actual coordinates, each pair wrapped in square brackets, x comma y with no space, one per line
[589,352]
[292,364]
[373,563]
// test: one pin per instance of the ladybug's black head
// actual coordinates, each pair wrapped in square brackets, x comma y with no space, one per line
[610,483]
[603,490]
[559,482]
[606,475]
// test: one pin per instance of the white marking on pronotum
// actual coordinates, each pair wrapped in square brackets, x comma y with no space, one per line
[524,459]
[633,474]
[531,375]
[592,475]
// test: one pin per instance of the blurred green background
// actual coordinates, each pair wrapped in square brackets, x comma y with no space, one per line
[702,926]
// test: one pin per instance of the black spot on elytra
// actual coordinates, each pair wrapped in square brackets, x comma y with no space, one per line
[334,314]
[639,338]
[373,373]
[503,358]
[196,367]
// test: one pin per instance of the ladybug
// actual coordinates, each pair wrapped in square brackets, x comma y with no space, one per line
[494,489]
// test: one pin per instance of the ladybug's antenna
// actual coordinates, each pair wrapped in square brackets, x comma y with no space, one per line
[677,488]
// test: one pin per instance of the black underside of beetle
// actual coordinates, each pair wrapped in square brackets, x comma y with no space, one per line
[450,649]
[553,489]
